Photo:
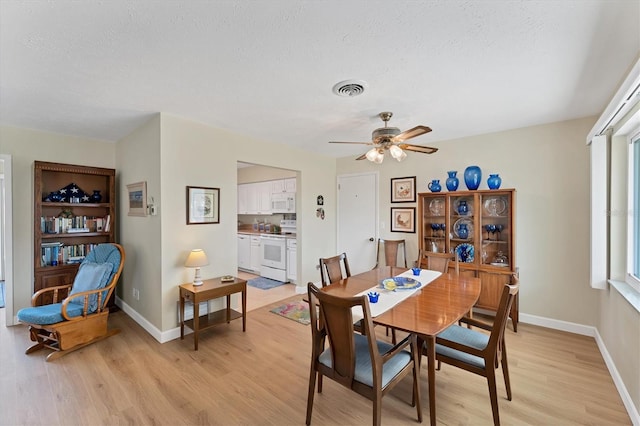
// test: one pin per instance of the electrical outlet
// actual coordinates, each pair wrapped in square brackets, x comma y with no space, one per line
[136,294]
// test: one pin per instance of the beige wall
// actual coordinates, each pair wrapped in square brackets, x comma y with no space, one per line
[179,153]
[138,159]
[548,165]
[26,146]
[261,173]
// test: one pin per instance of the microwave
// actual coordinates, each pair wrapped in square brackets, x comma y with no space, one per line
[284,202]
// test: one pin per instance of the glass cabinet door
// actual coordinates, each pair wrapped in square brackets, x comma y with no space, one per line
[434,223]
[495,222]
[462,211]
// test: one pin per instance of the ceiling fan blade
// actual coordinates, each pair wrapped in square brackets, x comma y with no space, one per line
[356,143]
[418,148]
[412,133]
[362,157]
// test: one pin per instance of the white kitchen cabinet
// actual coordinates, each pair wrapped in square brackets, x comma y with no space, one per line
[290,185]
[283,185]
[256,253]
[292,260]
[244,252]
[243,195]
[254,198]
[263,195]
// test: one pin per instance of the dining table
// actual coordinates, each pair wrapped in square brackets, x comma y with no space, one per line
[429,310]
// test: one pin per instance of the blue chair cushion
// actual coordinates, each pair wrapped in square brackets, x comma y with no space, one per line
[91,276]
[465,336]
[48,314]
[364,371]
[105,253]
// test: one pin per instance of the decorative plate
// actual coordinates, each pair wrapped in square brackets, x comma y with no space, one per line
[467,222]
[456,203]
[495,206]
[436,206]
[465,252]
[399,283]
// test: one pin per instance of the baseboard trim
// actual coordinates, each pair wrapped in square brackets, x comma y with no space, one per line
[160,336]
[591,332]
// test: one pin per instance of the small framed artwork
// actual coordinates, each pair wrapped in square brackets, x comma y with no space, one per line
[137,199]
[403,190]
[203,205]
[403,219]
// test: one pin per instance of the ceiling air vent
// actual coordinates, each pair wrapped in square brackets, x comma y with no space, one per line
[349,88]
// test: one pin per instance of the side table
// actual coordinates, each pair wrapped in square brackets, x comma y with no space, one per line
[211,289]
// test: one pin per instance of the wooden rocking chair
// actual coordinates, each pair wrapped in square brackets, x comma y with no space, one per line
[81,318]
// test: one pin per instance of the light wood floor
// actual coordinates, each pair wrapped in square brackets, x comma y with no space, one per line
[260,378]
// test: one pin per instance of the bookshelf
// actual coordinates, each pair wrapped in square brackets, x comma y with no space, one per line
[69,218]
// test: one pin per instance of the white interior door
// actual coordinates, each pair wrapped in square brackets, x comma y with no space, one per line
[358,219]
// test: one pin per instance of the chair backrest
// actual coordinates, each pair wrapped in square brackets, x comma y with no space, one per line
[334,269]
[106,253]
[509,293]
[335,321]
[435,261]
[391,249]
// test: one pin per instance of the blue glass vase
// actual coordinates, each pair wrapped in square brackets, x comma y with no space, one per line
[434,185]
[494,181]
[452,181]
[472,177]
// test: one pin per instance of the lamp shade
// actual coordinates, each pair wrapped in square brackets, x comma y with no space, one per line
[196,259]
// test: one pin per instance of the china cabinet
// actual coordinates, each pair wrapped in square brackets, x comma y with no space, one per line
[74,209]
[478,227]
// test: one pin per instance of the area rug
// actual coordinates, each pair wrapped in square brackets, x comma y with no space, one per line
[1,294]
[297,311]
[264,283]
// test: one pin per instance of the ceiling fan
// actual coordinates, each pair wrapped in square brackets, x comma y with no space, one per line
[392,139]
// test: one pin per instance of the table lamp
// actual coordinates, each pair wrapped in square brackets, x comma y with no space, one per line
[196,259]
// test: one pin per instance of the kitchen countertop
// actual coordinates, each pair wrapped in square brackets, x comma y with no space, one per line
[258,233]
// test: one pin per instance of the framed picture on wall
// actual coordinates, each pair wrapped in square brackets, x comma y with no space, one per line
[403,190]
[137,198]
[203,205]
[403,219]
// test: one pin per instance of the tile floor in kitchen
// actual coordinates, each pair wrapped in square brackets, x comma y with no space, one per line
[256,298]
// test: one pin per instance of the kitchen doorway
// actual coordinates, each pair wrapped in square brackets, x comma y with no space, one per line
[259,181]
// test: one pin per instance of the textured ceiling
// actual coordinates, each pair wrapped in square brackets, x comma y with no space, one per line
[99,69]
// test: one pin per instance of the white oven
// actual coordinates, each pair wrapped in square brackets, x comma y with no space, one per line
[274,257]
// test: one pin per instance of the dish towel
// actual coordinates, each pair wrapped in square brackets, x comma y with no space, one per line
[389,299]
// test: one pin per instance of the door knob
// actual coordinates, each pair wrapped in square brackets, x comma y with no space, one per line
[371,239]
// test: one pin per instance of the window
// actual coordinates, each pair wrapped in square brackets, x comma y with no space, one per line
[633,222]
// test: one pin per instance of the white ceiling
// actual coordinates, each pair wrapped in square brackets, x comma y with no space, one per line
[99,69]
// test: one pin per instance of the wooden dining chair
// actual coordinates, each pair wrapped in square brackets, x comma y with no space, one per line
[334,269]
[435,261]
[479,352]
[391,249]
[358,362]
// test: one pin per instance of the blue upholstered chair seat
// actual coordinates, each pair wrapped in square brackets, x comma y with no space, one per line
[48,314]
[467,337]
[364,371]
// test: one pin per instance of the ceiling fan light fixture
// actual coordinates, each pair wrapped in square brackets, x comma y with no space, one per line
[372,154]
[379,157]
[397,152]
